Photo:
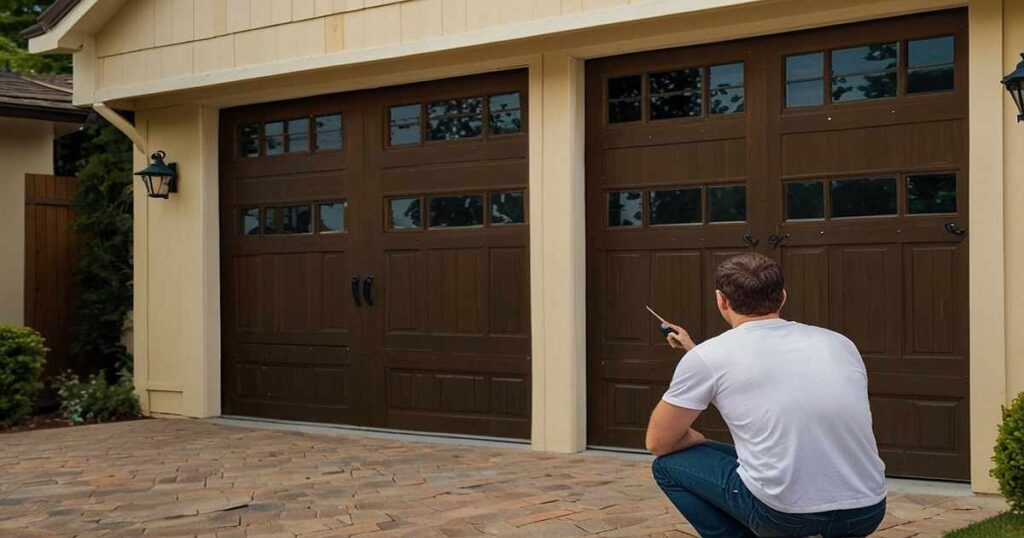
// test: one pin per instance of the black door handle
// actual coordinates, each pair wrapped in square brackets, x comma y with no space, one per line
[750,240]
[355,290]
[368,290]
[954,229]
[775,239]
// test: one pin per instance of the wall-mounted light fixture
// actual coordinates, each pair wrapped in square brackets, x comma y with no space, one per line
[160,179]
[1014,83]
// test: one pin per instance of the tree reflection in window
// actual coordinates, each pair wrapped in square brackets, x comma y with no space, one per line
[505,114]
[931,193]
[676,206]
[726,88]
[507,208]
[867,72]
[675,94]
[455,118]
[625,209]
[805,200]
[456,211]
[727,204]
[863,197]
[405,213]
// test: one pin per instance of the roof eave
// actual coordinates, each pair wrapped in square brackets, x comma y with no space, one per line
[41,113]
[64,30]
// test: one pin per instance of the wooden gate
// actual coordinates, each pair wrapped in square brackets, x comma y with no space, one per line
[51,254]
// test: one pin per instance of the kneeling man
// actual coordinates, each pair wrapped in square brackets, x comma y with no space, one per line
[795,399]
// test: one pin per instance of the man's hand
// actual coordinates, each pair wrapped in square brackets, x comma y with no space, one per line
[679,338]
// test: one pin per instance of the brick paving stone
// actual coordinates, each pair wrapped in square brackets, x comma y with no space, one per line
[193,478]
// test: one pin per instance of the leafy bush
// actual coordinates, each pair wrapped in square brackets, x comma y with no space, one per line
[22,356]
[1009,455]
[95,400]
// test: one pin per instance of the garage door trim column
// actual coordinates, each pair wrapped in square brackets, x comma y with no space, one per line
[557,253]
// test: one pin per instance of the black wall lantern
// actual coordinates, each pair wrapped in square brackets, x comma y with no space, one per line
[160,179]
[1014,83]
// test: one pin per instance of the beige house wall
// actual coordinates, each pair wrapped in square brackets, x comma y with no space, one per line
[375,43]
[26,147]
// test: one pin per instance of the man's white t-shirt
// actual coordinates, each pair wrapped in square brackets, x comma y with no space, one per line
[795,398]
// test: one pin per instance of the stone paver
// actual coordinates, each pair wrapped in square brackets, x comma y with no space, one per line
[192,478]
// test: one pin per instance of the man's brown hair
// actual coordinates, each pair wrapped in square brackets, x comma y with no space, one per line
[753,283]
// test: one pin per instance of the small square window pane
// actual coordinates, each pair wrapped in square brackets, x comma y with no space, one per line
[806,93]
[273,128]
[805,66]
[728,75]
[623,111]
[507,208]
[249,140]
[676,206]
[863,197]
[934,51]
[726,100]
[625,209]
[683,80]
[860,87]
[505,114]
[805,200]
[250,221]
[932,193]
[298,143]
[868,59]
[328,140]
[624,87]
[405,113]
[296,219]
[332,217]
[930,79]
[405,213]
[727,204]
[275,145]
[456,211]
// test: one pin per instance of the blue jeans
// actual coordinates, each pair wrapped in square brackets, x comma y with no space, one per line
[703,484]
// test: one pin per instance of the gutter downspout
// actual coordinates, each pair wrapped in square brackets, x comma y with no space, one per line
[122,125]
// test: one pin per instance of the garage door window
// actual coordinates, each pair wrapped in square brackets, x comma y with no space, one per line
[405,125]
[624,99]
[726,92]
[289,136]
[676,206]
[332,217]
[931,193]
[507,208]
[249,140]
[625,209]
[249,221]
[404,214]
[727,204]
[675,94]
[805,84]
[805,200]
[328,132]
[930,65]
[863,197]
[867,72]
[455,118]
[506,114]
[456,211]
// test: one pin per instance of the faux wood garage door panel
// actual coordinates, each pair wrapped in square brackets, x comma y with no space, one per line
[878,148]
[337,310]
[843,153]
[712,159]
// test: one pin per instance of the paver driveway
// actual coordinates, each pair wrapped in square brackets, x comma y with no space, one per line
[194,478]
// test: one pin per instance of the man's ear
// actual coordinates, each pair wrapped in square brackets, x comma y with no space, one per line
[722,300]
[784,297]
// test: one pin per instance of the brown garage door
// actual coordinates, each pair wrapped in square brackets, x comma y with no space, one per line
[375,258]
[841,153]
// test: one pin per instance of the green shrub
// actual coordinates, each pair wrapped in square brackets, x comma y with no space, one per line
[1009,455]
[95,400]
[22,356]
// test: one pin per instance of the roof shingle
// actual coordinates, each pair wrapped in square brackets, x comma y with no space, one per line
[38,96]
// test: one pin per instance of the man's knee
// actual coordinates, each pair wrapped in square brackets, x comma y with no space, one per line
[666,468]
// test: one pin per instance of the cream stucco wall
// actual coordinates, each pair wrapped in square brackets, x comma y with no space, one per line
[177,281]
[26,147]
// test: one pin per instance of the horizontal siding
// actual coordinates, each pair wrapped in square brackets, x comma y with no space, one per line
[151,40]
